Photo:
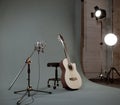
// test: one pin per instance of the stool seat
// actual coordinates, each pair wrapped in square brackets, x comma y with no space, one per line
[53,64]
[55,79]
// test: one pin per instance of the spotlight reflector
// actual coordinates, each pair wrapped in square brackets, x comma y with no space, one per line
[110,39]
[99,13]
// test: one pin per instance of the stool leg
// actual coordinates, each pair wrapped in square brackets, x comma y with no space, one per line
[48,83]
[54,87]
[57,82]
[56,76]
[56,79]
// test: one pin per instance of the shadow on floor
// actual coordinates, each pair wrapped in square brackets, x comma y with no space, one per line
[111,83]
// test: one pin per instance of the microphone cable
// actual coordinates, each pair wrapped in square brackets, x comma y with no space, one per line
[38,72]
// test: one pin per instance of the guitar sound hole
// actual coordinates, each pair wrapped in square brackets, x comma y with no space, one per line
[73,78]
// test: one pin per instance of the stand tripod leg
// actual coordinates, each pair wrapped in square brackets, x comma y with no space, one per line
[28,90]
[108,74]
[117,72]
[111,71]
[19,101]
[15,92]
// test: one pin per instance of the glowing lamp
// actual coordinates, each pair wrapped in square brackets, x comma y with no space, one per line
[110,39]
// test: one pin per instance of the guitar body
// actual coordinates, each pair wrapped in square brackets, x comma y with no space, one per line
[70,77]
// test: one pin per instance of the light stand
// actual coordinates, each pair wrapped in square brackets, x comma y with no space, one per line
[39,47]
[111,39]
[101,75]
[111,72]
[99,15]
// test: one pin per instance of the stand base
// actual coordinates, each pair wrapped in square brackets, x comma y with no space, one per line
[56,82]
[27,92]
[101,76]
[110,73]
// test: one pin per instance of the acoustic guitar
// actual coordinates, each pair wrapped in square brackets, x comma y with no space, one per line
[70,77]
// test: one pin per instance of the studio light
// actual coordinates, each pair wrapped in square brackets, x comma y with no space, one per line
[99,13]
[110,39]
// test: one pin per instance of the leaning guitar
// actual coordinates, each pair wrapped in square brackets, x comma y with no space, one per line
[70,77]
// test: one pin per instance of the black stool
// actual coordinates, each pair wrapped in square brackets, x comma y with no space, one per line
[56,79]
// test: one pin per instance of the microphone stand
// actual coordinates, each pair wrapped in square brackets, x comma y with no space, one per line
[29,87]
[17,76]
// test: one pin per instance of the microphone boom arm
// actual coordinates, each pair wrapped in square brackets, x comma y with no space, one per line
[17,76]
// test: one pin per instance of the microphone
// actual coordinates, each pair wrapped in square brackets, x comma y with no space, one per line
[39,46]
[43,45]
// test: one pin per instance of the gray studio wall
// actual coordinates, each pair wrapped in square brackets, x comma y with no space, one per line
[22,24]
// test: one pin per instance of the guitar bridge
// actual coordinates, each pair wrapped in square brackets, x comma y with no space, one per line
[73,78]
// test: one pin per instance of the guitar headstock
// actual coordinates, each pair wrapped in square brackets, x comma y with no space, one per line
[61,39]
[60,36]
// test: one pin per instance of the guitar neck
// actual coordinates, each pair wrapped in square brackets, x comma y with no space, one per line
[66,54]
[65,47]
